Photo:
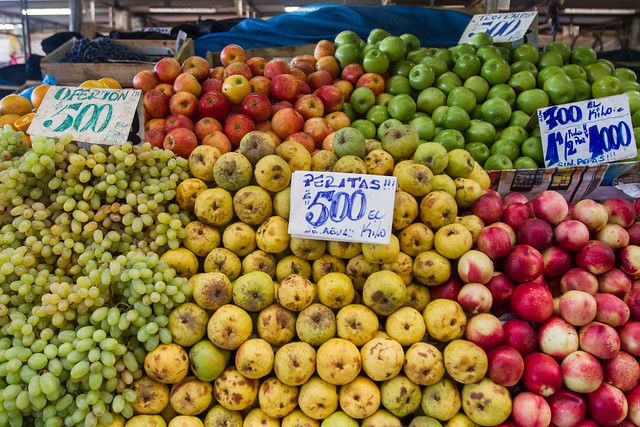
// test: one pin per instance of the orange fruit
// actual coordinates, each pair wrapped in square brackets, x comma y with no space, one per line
[23,122]
[38,95]
[94,84]
[27,139]
[110,82]
[15,104]
[9,119]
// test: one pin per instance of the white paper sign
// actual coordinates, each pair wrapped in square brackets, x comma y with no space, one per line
[342,206]
[97,116]
[502,27]
[587,132]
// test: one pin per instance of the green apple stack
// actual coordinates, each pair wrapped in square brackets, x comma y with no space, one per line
[480,95]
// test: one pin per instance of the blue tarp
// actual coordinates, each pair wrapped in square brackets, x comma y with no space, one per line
[434,27]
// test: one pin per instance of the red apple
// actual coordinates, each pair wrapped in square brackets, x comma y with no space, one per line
[217,72]
[579,279]
[501,289]
[155,137]
[494,241]
[591,213]
[542,374]
[571,234]
[632,300]
[317,79]
[166,88]
[550,206]
[514,197]
[256,64]
[535,232]
[607,405]
[212,84]
[596,257]
[523,264]
[352,72]
[475,298]
[219,140]
[611,310]
[260,84]
[557,338]
[568,409]
[630,337]
[621,211]
[448,290]
[324,48]
[581,372]
[214,104]
[298,74]
[186,82]
[286,121]
[488,207]
[531,410]
[373,81]
[485,330]
[184,103]
[205,126]
[318,128]
[345,87]
[629,260]
[520,335]
[197,66]
[622,371]
[633,401]
[232,53]
[557,262]
[330,64]
[532,302]
[178,121]
[238,68]
[475,266]
[615,282]
[181,141]
[505,365]
[600,340]
[577,307]
[236,126]
[156,103]
[167,69]
[303,139]
[634,233]
[303,89]
[145,81]
[337,119]
[275,67]
[306,63]
[280,106]
[256,106]
[284,87]
[515,214]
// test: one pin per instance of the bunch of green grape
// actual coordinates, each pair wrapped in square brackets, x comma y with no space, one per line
[83,292]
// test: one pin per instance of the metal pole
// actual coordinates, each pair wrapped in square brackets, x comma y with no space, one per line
[75,19]
[26,37]
[491,6]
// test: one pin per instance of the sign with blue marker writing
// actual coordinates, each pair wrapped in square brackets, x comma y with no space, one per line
[342,206]
[97,116]
[587,132]
[502,27]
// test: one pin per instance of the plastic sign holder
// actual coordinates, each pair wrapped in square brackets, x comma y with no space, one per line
[91,115]
[502,27]
[587,132]
[345,207]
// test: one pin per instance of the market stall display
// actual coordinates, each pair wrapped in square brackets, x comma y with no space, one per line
[158,284]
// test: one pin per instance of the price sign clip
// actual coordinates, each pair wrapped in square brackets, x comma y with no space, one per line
[502,27]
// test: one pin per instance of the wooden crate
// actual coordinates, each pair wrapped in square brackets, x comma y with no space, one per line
[75,73]
[283,52]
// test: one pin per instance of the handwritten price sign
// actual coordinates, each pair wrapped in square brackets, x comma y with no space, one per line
[342,206]
[97,116]
[587,132]
[502,27]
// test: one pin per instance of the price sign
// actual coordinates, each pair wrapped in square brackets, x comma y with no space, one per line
[502,27]
[587,132]
[97,116]
[342,206]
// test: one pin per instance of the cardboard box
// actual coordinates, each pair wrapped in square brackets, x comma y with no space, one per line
[70,74]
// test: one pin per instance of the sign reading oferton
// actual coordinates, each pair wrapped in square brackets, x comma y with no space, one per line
[587,132]
[502,27]
[342,206]
[96,116]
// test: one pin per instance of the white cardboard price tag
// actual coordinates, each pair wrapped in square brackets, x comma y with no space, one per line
[502,27]
[96,116]
[342,206]
[587,132]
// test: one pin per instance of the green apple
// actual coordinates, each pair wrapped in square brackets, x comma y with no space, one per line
[521,81]
[478,86]
[561,47]
[349,111]
[478,151]
[519,118]
[518,66]
[461,49]
[488,52]
[445,54]
[625,74]
[507,147]
[402,107]
[480,39]
[207,361]
[525,52]
[456,118]
[450,138]
[503,91]
[438,64]
[429,99]
[377,114]
[575,71]
[447,81]
[560,88]
[467,65]
[438,115]
[362,99]
[417,55]
[496,111]
[395,85]
[547,72]
[550,58]
[401,68]
[480,131]
[394,47]
[346,36]
[349,141]
[532,148]
[583,56]
[595,71]
[495,71]
[421,76]
[400,141]
[365,127]
[606,86]
[424,126]
[375,61]
[524,162]
[498,162]
[462,97]
[518,134]
[347,53]
[530,100]
[377,35]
